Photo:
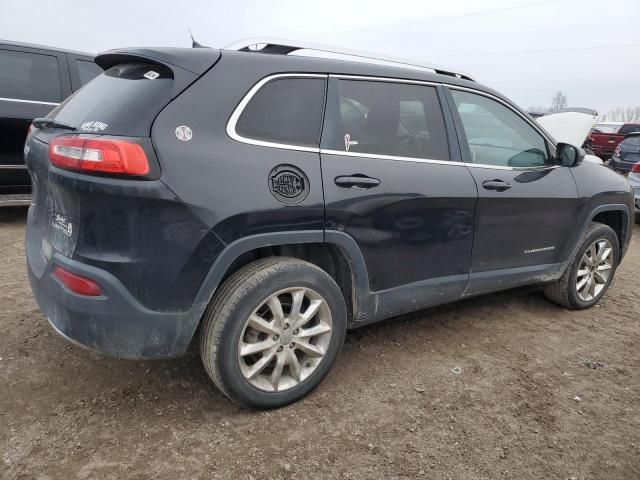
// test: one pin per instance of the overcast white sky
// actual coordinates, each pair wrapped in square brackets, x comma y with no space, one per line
[527,49]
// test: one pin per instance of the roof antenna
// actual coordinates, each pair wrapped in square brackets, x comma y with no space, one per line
[194,43]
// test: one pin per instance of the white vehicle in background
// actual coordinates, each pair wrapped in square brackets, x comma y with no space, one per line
[571,125]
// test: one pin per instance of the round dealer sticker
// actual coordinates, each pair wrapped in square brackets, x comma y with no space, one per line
[184,133]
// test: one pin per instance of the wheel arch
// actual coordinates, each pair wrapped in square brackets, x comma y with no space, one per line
[335,252]
[618,218]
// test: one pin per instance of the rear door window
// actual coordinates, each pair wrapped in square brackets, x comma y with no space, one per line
[385,118]
[285,111]
[29,76]
[124,100]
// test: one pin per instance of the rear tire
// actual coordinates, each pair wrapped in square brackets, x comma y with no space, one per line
[263,308]
[573,290]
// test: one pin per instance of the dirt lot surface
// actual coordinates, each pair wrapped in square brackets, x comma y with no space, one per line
[503,386]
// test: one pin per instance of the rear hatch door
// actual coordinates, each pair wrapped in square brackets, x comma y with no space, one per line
[121,103]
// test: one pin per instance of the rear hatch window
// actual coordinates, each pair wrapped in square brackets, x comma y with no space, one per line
[124,100]
[603,128]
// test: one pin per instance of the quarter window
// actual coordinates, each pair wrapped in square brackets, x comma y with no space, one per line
[384,118]
[29,76]
[497,135]
[285,110]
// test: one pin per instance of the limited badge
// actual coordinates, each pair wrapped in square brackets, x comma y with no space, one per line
[93,126]
[151,75]
[184,133]
[288,184]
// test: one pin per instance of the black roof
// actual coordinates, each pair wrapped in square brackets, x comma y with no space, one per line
[193,59]
[198,60]
[284,63]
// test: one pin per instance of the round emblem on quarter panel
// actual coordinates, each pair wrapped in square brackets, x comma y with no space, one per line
[288,184]
[184,133]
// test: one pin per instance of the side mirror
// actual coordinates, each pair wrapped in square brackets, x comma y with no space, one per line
[569,155]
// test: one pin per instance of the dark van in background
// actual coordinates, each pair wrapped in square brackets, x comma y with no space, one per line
[33,81]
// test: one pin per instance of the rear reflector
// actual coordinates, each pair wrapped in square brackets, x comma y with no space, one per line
[98,155]
[636,168]
[76,283]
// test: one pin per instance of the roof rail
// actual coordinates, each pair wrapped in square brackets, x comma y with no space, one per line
[286,47]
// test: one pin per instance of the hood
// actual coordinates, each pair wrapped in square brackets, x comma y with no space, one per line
[569,126]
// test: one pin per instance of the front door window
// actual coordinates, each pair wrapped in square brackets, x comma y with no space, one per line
[496,135]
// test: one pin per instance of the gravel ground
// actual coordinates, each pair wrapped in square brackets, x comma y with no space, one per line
[502,386]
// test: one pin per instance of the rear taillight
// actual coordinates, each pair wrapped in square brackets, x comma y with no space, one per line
[99,155]
[616,152]
[31,127]
[636,168]
[77,283]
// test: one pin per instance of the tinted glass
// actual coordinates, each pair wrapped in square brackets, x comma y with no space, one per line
[629,128]
[383,118]
[87,71]
[633,141]
[497,135]
[29,76]
[607,128]
[286,110]
[120,101]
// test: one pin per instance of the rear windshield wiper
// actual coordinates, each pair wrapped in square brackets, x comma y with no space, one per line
[51,123]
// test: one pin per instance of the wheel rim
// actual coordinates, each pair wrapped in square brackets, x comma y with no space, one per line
[285,339]
[594,270]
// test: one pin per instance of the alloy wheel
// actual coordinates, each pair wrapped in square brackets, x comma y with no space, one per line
[594,270]
[285,339]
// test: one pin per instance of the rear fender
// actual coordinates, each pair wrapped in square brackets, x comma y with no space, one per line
[344,242]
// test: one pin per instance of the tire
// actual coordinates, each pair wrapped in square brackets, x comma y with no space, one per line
[246,294]
[564,291]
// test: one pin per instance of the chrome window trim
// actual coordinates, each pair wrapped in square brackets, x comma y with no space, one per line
[369,78]
[328,151]
[19,100]
[12,167]
[235,116]
[506,104]
[233,120]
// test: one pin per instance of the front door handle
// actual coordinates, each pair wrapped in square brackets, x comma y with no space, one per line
[497,185]
[357,180]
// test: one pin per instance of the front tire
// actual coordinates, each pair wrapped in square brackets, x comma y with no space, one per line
[590,272]
[272,332]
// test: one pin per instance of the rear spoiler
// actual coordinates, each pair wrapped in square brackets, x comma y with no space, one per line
[187,64]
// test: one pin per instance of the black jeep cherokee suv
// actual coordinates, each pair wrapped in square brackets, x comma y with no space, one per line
[33,80]
[271,202]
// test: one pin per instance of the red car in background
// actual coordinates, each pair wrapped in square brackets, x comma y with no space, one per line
[605,137]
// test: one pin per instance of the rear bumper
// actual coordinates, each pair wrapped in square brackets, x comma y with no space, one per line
[619,165]
[114,323]
[603,152]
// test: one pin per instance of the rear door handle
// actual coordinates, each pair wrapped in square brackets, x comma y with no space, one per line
[497,185]
[357,180]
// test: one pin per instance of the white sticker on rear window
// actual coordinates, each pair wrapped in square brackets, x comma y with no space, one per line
[61,224]
[94,126]
[151,75]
